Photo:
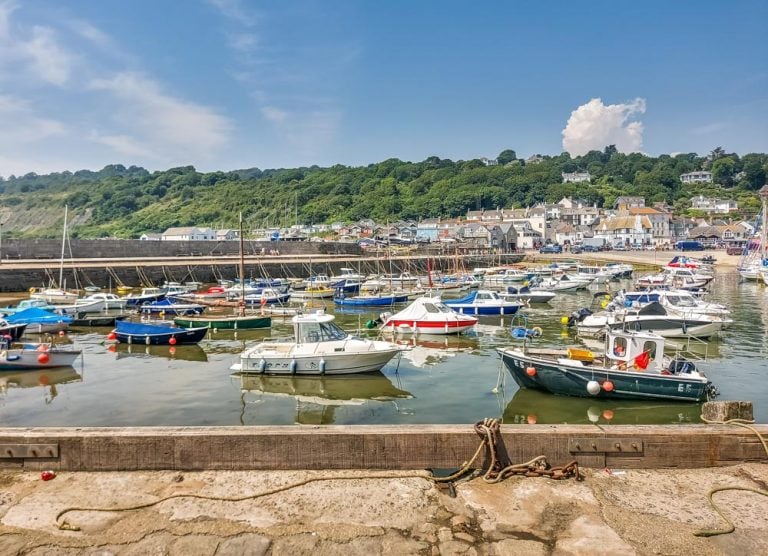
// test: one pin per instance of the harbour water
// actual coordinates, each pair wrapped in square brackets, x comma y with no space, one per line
[440,380]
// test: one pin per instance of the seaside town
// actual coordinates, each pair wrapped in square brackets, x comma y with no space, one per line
[265,289]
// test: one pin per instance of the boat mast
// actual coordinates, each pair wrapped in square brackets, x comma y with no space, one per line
[242,270]
[763,228]
[63,243]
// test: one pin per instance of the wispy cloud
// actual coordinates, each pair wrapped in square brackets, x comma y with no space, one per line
[18,115]
[235,10]
[708,129]
[154,121]
[594,125]
[34,53]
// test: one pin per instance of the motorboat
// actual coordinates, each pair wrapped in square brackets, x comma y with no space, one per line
[561,283]
[169,306]
[596,274]
[508,277]
[370,300]
[525,294]
[147,295]
[348,274]
[313,292]
[128,332]
[268,296]
[319,347]
[484,302]
[633,367]
[40,321]
[111,300]
[35,356]
[427,315]
[651,317]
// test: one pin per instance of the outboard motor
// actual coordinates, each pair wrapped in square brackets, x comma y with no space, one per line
[578,316]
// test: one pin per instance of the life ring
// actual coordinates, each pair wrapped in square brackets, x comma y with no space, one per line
[32,289]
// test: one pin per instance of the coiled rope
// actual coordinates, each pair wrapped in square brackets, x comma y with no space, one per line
[730,527]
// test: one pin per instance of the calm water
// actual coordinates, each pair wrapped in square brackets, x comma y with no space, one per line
[441,380]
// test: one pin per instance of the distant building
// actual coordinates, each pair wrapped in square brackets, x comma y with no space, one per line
[626,202]
[575,177]
[660,223]
[489,161]
[189,233]
[697,177]
[632,230]
[534,159]
[151,237]
[712,205]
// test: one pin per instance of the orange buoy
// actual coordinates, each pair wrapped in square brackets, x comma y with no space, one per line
[43,358]
[111,336]
[607,414]
[530,371]
[531,419]
[608,386]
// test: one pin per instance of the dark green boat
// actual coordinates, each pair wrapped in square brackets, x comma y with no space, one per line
[231,322]
[632,368]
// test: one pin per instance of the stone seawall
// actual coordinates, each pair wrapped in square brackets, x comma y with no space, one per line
[13,249]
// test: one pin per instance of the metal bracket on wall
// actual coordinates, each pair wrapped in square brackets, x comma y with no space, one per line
[605,445]
[28,451]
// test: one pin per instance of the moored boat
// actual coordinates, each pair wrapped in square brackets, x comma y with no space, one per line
[35,356]
[484,302]
[320,347]
[427,315]
[156,334]
[633,367]
[225,322]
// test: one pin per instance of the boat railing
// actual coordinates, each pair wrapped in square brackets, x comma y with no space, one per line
[691,348]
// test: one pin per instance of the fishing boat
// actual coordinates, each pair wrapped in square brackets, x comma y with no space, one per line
[526,295]
[156,334]
[35,356]
[319,347]
[633,367]
[39,321]
[313,292]
[427,315]
[484,302]
[169,306]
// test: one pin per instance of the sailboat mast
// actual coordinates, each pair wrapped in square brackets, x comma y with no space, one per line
[63,243]
[242,269]
[763,227]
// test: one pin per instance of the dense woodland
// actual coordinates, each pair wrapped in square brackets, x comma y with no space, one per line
[126,202]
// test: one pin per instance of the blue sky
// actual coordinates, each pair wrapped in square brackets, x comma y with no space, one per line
[225,84]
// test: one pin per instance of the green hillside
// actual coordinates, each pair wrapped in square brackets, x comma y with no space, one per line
[126,202]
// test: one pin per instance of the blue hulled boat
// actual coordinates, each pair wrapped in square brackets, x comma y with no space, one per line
[157,334]
[370,300]
[633,367]
[484,302]
[171,306]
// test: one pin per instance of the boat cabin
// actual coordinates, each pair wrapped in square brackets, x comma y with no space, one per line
[635,351]
[316,327]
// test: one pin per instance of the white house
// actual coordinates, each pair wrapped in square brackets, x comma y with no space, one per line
[696,177]
[712,205]
[189,233]
[151,237]
[634,230]
[575,177]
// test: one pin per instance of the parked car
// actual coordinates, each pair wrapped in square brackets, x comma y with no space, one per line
[554,248]
[689,246]
[576,249]
[590,249]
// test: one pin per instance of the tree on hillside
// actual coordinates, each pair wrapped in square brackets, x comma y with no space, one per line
[506,156]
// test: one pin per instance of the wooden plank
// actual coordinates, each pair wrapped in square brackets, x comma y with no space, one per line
[377,447]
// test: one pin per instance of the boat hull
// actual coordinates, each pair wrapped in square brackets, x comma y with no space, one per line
[226,323]
[407,326]
[484,310]
[31,359]
[272,362]
[572,380]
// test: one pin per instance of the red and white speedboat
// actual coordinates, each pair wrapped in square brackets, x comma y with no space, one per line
[427,315]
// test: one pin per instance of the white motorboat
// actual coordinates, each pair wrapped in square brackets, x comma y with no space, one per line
[320,347]
[561,283]
[427,315]
[111,301]
[527,295]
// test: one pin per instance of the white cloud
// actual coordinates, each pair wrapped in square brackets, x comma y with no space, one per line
[35,52]
[594,125]
[308,131]
[234,9]
[152,121]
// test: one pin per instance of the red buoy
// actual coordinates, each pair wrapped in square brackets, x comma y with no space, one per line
[530,371]
[608,386]
[172,341]
[111,336]
[47,475]
[43,358]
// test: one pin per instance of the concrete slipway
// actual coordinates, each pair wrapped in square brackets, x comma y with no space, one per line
[621,512]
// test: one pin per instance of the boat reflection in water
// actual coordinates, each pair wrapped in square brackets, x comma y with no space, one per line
[533,406]
[47,379]
[317,398]
[188,352]
[427,350]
